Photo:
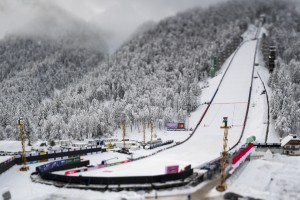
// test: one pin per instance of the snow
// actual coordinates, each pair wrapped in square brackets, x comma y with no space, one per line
[257,116]
[137,135]
[273,178]
[203,146]
[4,158]
[257,122]
[248,35]
[206,143]
[12,146]
[21,187]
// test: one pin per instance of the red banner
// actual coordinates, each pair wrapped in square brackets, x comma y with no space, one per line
[240,157]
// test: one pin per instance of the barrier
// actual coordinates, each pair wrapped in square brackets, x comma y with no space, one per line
[48,156]
[265,145]
[7,164]
[268,104]
[117,180]
[153,146]
[45,173]
[44,156]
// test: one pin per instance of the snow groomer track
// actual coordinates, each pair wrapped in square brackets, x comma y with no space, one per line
[205,144]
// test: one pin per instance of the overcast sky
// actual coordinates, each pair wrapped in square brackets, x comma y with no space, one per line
[147,9]
[118,18]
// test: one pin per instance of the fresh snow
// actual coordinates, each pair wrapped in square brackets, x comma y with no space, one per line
[203,146]
[12,146]
[4,158]
[206,143]
[273,178]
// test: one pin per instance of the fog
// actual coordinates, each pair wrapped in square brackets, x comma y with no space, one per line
[118,19]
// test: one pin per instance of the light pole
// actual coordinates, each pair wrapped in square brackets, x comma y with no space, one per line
[222,186]
[22,125]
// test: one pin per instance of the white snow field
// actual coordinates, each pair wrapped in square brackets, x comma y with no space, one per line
[274,177]
[203,146]
[206,143]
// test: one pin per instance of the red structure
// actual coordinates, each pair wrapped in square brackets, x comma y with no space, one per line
[241,156]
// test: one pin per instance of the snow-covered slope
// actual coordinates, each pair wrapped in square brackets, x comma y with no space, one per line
[273,178]
[206,143]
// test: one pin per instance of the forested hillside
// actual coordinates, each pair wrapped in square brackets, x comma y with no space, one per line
[37,61]
[285,80]
[33,68]
[64,88]
[154,76]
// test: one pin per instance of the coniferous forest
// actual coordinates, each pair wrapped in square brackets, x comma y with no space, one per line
[68,88]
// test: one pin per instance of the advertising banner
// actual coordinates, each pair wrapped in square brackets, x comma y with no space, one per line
[241,156]
[175,126]
[172,169]
[55,164]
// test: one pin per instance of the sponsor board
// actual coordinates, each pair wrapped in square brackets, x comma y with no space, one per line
[175,126]
[172,169]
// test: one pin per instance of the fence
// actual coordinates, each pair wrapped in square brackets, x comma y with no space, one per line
[117,180]
[266,145]
[153,146]
[7,164]
[46,169]
[61,154]
[49,156]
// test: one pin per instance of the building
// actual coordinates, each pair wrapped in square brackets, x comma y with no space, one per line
[133,145]
[291,145]
[77,145]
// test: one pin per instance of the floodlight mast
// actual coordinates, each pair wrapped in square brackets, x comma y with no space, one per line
[22,125]
[123,125]
[222,186]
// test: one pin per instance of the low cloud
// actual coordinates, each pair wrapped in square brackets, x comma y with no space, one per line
[118,19]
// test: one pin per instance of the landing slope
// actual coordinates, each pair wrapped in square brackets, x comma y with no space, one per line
[206,143]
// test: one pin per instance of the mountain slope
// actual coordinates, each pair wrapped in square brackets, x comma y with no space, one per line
[284,34]
[52,52]
[154,76]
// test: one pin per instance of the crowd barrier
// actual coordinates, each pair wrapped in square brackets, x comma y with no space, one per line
[153,146]
[61,154]
[5,165]
[117,180]
[49,156]
[45,173]
[262,145]
[58,165]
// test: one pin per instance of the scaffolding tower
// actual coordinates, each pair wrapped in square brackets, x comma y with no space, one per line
[21,125]
[222,186]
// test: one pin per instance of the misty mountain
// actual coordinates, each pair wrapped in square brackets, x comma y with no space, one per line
[51,52]
[63,92]
[152,77]
[33,68]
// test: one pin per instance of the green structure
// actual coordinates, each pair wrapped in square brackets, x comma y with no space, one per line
[213,61]
[250,139]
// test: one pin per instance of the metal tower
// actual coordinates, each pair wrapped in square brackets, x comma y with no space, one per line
[22,125]
[123,124]
[222,186]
